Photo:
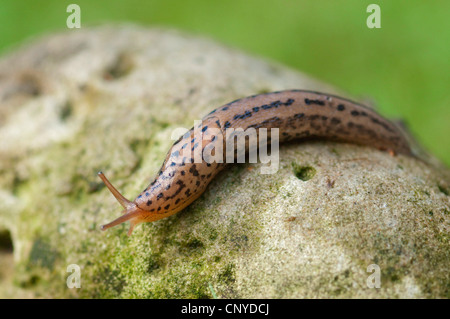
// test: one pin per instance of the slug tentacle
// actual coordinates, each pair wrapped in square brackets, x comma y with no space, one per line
[131,212]
[132,216]
[120,198]
[298,114]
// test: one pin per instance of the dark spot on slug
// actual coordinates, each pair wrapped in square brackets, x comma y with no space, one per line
[335,121]
[193,170]
[242,116]
[182,185]
[204,128]
[155,187]
[256,109]
[188,134]
[197,183]
[275,104]
[183,172]
[246,114]
[299,115]
[177,201]
[354,113]
[149,202]
[160,195]
[176,153]
[340,107]
[166,207]
[318,102]
[272,119]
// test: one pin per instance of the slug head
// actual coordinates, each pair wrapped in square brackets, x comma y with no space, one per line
[131,212]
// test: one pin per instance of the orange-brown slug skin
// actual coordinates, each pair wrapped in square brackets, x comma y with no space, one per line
[298,114]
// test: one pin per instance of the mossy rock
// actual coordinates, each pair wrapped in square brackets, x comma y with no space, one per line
[109,99]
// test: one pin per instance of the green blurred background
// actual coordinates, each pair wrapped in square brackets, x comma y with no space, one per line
[403,67]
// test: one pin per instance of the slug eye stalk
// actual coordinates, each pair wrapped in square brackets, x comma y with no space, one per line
[120,198]
[130,213]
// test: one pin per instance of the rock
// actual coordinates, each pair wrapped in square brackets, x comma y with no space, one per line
[109,99]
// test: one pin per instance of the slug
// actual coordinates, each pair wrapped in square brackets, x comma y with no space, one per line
[298,114]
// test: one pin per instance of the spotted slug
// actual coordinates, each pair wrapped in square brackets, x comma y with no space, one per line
[298,114]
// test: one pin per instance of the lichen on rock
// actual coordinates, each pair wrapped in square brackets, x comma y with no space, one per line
[109,99]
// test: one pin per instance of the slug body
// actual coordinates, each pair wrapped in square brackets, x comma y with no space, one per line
[297,114]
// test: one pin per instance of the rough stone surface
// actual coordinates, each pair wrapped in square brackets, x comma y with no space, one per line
[109,99]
